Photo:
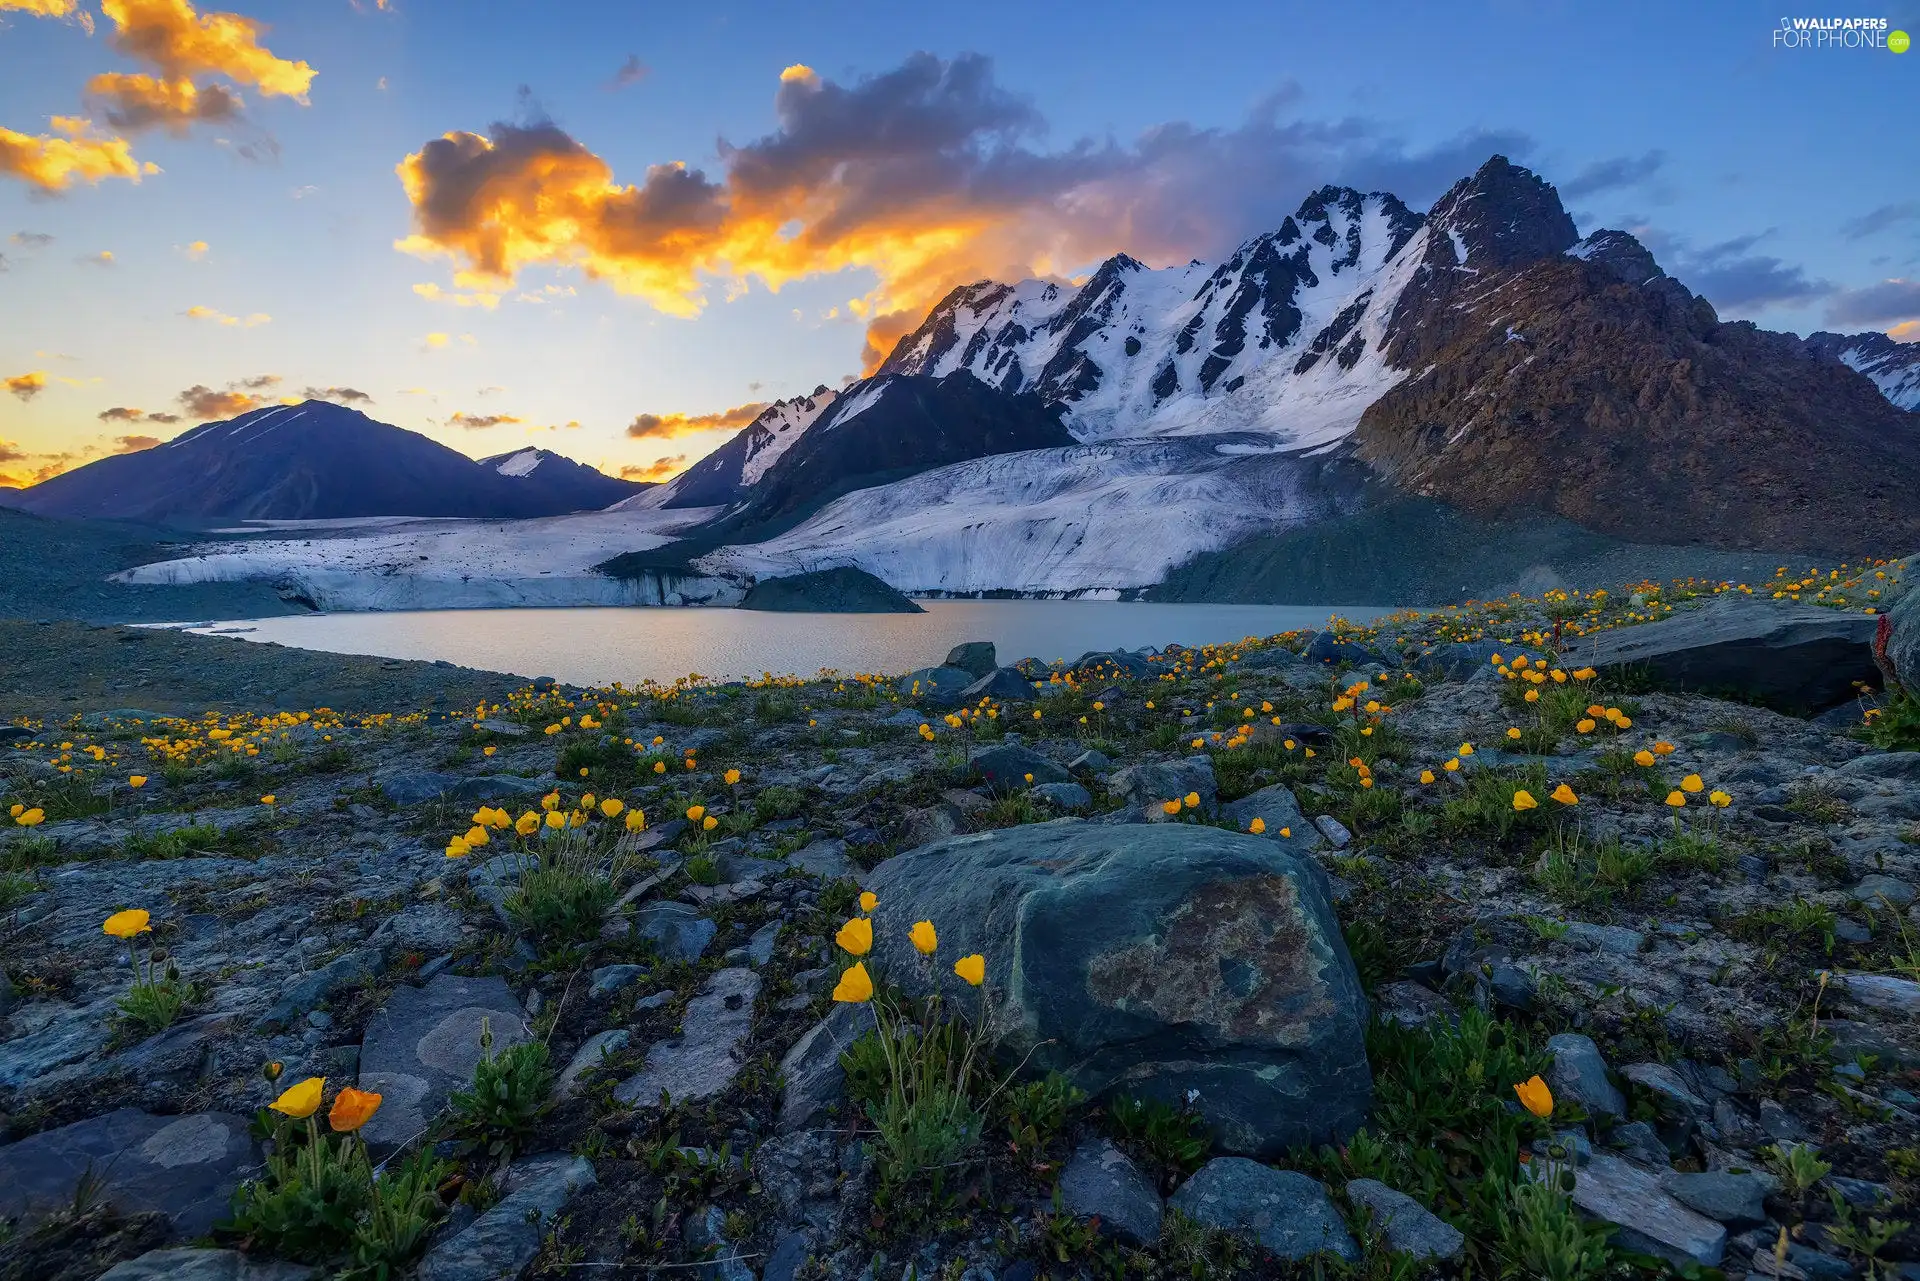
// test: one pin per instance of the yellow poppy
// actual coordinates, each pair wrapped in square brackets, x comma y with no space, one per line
[124,925]
[856,936]
[1535,1097]
[972,968]
[925,940]
[352,1109]
[868,900]
[1523,800]
[855,986]
[301,1101]
[1564,795]
[1257,826]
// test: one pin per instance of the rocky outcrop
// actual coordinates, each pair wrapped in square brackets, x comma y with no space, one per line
[845,590]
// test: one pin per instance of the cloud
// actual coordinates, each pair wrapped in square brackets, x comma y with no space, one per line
[1607,175]
[631,72]
[343,395]
[434,293]
[53,162]
[10,452]
[196,251]
[1881,304]
[31,239]
[927,175]
[102,259]
[1905,331]
[68,9]
[1880,219]
[134,444]
[480,422]
[26,386]
[134,102]
[437,340]
[203,403]
[657,470]
[170,35]
[218,317]
[125,414]
[668,426]
[1729,274]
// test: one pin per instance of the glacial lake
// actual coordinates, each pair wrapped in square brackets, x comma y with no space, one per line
[600,646]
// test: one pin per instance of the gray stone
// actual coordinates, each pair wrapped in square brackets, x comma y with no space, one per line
[506,729]
[936,686]
[1880,991]
[1459,660]
[1279,812]
[826,859]
[425,1044]
[186,1264]
[1900,766]
[1327,647]
[502,1242]
[1884,891]
[678,932]
[1779,1124]
[1617,939]
[590,1055]
[1282,1211]
[760,946]
[905,718]
[1008,767]
[1903,640]
[311,990]
[1091,761]
[1640,1141]
[1724,1196]
[185,1167]
[1336,833]
[976,658]
[609,979]
[1408,1226]
[789,1255]
[1066,796]
[415,786]
[1800,657]
[814,1080]
[1645,1217]
[1101,1182]
[703,1060]
[1000,684]
[705,1233]
[428,928]
[1410,1004]
[1148,960]
[1671,1093]
[1147,787]
[1861,1194]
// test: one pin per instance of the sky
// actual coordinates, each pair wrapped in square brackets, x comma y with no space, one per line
[617,229]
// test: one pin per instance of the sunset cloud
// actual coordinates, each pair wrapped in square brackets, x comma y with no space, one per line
[203,403]
[480,422]
[252,321]
[341,395]
[133,444]
[51,9]
[10,452]
[668,426]
[196,251]
[26,386]
[434,293]
[437,340]
[181,43]
[928,175]
[102,259]
[631,72]
[133,101]
[72,153]
[657,470]
[125,414]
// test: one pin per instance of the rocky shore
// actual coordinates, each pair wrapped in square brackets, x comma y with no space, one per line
[1567,936]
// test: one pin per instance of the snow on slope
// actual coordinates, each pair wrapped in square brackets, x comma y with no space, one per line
[454,564]
[777,428]
[1893,367]
[1090,518]
[521,463]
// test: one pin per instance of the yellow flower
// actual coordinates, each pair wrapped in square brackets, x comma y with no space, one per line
[708,823]
[868,900]
[1623,722]
[1523,800]
[1191,799]
[659,767]
[488,751]
[1466,749]
[1643,758]
[1720,799]
[1452,766]
[352,1109]
[31,818]
[458,848]
[856,936]
[1512,732]
[138,780]
[1170,807]
[266,800]
[1585,725]
[1258,826]
[972,968]
[1692,783]
[301,1101]
[1535,1097]
[924,938]
[1564,795]
[854,987]
[1426,776]
[732,776]
[1532,696]
[124,925]
[1286,833]
[612,806]
[636,820]
[1664,749]
[551,801]
[556,819]
[529,824]
[476,837]
[1677,799]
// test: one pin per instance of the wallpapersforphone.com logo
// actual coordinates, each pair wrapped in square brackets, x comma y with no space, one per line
[1839,33]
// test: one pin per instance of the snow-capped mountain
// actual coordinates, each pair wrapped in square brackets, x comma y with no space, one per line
[1893,367]
[567,485]
[724,476]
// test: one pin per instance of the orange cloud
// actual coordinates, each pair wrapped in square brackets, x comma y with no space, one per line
[480,422]
[434,293]
[10,452]
[134,444]
[657,470]
[170,35]
[51,9]
[203,403]
[141,101]
[26,386]
[52,162]
[1905,331]
[668,426]
[221,318]
[125,414]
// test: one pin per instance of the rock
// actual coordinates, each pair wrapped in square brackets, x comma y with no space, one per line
[814,1079]
[1112,663]
[1903,767]
[1880,991]
[206,1265]
[1645,1217]
[1102,1182]
[505,729]
[1147,787]
[935,686]
[1878,891]
[1328,648]
[1282,1211]
[590,1055]
[1671,1093]
[311,990]
[1579,1075]
[842,590]
[760,946]
[976,658]
[1007,768]
[425,1044]
[1459,660]
[1091,761]
[826,859]
[935,823]
[1065,796]
[1002,683]
[906,718]
[1779,1124]
[1408,1226]
[1796,657]
[1902,639]
[705,1234]
[1616,939]
[185,1167]
[609,979]
[1150,961]
[1336,833]
[678,932]
[1410,1005]
[702,1061]
[1277,809]
[1641,1142]
[1724,1196]
[427,928]
[501,1243]
[789,1255]
[1861,1194]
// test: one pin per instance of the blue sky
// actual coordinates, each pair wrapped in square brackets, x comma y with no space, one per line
[1774,181]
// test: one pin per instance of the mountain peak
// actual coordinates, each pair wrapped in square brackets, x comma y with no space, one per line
[1502,216]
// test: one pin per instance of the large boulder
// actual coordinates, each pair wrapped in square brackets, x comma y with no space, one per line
[844,590]
[1001,683]
[1799,658]
[1903,640]
[1011,766]
[185,1167]
[1149,961]
[977,657]
[1146,787]
[425,1044]
[935,686]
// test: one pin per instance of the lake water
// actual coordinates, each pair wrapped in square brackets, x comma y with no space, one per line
[600,646]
